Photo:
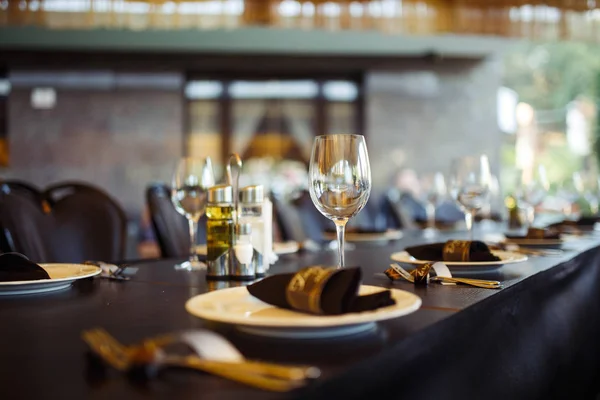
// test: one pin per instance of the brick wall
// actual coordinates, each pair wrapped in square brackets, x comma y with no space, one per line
[119,139]
[422,114]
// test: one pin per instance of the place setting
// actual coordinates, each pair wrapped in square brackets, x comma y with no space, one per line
[318,301]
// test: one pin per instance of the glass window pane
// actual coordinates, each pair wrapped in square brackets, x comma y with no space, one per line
[204,138]
[340,90]
[203,89]
[341,118]
[274,89]
[274,138]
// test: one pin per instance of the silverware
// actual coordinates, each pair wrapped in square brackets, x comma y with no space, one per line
[473,282]
[410,276]
[108,272]
[527,251]
[150,356]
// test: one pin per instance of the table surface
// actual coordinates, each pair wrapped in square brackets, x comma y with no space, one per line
[42,355]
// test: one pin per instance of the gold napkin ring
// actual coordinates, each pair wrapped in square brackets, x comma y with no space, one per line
[456,250]
[306,286]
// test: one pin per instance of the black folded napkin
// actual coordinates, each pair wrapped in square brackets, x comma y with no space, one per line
[537,233]
[453,250]
[16,267]
[319,290]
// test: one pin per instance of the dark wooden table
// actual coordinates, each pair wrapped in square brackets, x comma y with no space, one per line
[42,355]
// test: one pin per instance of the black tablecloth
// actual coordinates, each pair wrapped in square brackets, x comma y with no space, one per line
[535,340]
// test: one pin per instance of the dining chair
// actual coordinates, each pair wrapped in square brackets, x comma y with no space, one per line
[299,219]
[24,188]
[170,227]
[395,212]
[67,222]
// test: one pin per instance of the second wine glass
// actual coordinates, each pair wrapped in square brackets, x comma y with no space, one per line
[469,184]
[189,187]
[339,180]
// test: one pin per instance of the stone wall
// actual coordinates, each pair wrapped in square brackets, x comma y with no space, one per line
[422,114]
[119,139]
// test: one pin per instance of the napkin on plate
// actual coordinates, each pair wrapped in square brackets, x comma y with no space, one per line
[319,290]
[17,267]
[537,233]
[453,250]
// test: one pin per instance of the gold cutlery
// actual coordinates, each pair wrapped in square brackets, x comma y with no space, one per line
[267,376]
[410,276]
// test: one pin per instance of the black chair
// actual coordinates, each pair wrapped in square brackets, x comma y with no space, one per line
[396,212]
[23,188]
[68,222]
[299,219]
[170,228]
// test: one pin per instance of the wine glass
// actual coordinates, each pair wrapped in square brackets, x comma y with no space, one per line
[339,180]
[189,188]
[433,191]
[469,185]
[534,192]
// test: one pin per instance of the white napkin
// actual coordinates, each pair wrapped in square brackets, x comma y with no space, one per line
[441,269]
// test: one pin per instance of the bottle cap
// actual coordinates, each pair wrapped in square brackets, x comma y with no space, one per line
[252,194]
[220,194]
[243,229]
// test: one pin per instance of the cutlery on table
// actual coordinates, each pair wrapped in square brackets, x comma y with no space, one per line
[110,271]
[410,276]
[227,362]
[524,250]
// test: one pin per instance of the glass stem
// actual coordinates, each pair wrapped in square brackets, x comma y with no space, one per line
[340,228]
[193,225]
[469,223]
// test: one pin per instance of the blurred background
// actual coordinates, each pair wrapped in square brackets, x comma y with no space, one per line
[114,92]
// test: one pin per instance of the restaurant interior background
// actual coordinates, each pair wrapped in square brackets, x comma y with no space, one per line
[113,92]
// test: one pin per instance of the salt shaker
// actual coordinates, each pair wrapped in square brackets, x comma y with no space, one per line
[243,266]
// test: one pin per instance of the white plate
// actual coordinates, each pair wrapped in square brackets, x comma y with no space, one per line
[506,257]
[366,237]
[279,248]
[61,277]
[237,306]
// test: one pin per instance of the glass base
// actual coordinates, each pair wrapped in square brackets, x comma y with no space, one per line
[191,266]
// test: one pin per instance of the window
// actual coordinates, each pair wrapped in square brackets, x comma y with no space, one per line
[268,119]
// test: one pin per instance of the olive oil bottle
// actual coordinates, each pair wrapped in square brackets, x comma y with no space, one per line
[219,231]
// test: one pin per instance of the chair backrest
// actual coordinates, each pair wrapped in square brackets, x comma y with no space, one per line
[396,213]
[170,228]
[68,222]
[300,220]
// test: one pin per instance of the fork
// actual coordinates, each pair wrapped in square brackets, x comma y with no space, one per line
[126,358]
[218,349]
[467,281]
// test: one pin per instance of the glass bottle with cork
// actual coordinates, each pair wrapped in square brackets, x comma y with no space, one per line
[219,231]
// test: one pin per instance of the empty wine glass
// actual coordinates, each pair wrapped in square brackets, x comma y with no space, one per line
[189,187]
[469,185]
[433,191]
[587,186]
[339,180]
[533,192]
